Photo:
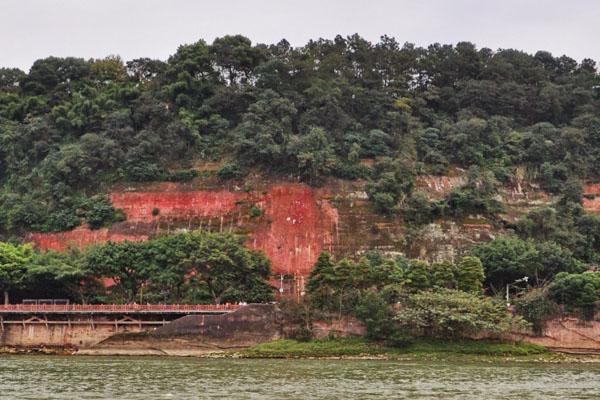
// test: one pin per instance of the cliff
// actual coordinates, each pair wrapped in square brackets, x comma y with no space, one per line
[292,222]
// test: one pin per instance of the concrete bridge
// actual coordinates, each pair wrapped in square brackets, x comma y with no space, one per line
[92,309]
[59,324]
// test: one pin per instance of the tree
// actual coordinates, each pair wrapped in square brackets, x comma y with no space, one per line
[127,264]
[322,275]
[445,275]
[196,266]
[506,259]
[230,271]
[235,58]
[264,133]
[452,314]
[14,263]
[417,276]
[63,275]
[314,154]
[392,183]
[470,275]
[577,291]
[377,316]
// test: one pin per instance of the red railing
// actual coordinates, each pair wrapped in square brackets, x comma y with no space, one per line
[166,308]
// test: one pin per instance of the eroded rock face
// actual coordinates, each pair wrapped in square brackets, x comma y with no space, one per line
[298,222]
[591,197]
[80,237]
[295,225]
[439,186]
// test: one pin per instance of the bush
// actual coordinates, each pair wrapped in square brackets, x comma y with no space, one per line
[99,212]
[255,211]
[231,171]
[376,315]
[452,314]
[579,292]
[184,175]
[536,308]
[145,172]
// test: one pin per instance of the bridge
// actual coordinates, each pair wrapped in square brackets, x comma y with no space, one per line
[118,308]
[104,314]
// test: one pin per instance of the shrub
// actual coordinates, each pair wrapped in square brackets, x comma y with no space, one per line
[579,292]
[231,171]
[453,314]
[184,175]
[255,211]
[99,211]
[536,308]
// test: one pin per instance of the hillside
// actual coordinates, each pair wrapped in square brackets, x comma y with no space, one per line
[340,145]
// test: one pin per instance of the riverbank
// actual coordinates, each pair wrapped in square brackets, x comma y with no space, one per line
[347,349]
[357,348]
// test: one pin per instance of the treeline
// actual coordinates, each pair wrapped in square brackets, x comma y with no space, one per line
[70,127]
[188,268]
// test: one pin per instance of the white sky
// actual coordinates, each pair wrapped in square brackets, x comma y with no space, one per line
[33,29]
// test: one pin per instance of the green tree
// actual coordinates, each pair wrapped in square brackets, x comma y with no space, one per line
[470,275]
[314,153]
[506,259]
[452,314]
[577,291]
[417,275]
[14,264]
[444,275]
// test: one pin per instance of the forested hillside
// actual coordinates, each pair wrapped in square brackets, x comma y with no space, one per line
[69,128]
[322,129]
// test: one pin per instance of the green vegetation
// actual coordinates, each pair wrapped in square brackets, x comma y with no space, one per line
[196,267]
[71,127]
[399,300]
[509,258]
[363,348]
[14,261]
[577,291]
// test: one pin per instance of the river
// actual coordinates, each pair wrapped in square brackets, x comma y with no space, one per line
[54,377]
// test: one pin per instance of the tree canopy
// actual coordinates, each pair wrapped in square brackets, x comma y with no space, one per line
[70,127]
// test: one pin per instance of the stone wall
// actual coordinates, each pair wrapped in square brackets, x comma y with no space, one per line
[568,335]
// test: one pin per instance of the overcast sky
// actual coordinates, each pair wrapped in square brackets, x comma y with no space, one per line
[33,29]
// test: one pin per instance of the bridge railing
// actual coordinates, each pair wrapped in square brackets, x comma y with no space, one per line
[118,307]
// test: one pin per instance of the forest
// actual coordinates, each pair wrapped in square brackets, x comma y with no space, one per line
[70,128]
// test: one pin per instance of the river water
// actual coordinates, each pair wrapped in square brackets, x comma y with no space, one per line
[54,377]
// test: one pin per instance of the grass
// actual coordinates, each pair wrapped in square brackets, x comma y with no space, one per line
[362,348]
[314,348]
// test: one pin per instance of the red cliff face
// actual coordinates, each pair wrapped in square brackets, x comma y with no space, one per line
[591,197]
[139,206]
[79,237]
[300,227]
[295,227]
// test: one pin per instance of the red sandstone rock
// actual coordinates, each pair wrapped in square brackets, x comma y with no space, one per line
[591,201]
[79,237]
[295,228]
[176,205]
[301,227]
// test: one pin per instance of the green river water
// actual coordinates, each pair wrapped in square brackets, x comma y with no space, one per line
[54,377]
